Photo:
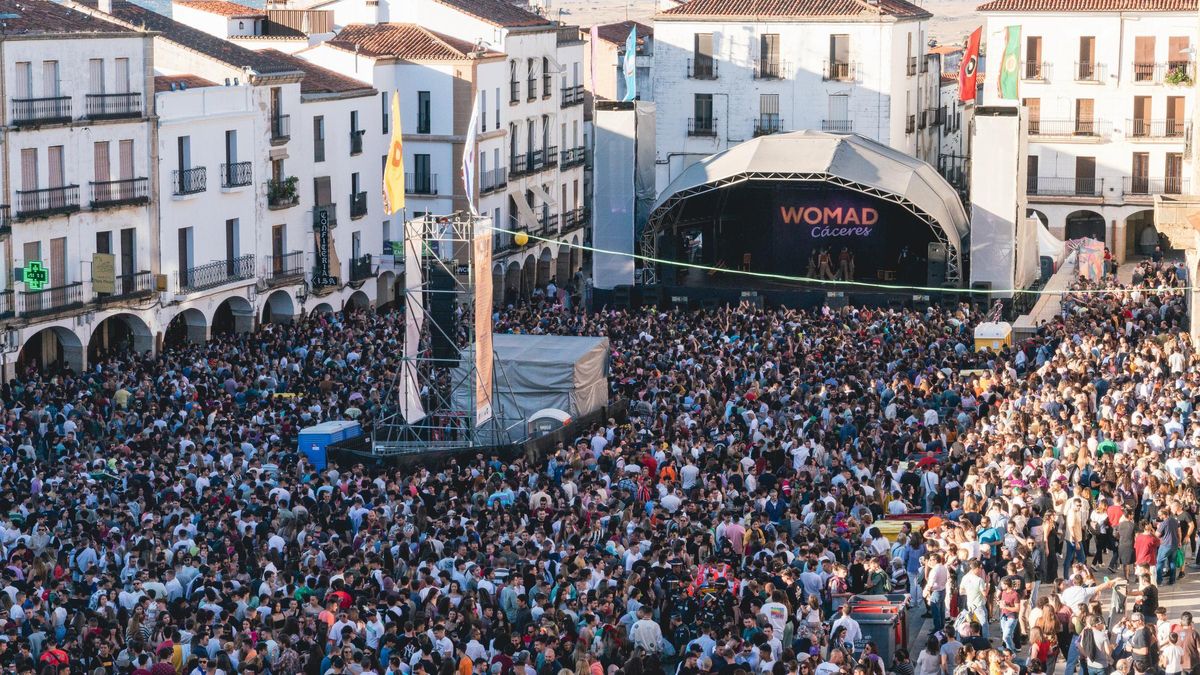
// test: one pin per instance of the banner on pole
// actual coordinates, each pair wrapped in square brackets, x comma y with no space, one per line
[482,262]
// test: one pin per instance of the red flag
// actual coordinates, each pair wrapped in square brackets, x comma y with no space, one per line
[967,69]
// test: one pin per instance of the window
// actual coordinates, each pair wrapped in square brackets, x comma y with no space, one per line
[514,148]
[531,75]
[23,85]
[121,83]
[1141,116]
[278,247]
[386,108]
[1033,107]
[354,121]
[1178,48]
[1085,116]
[95,76]
[355,183]
[1086,71]
[104,242]
[768,55]
[1139,176]
[1173,172]
[912,60]
[423,112]
[231,153]
[839,57]
[100,162]
[1031,174]
[1085,176]
[483,110]
[29,169]
[128,251]
[54,162]
[547,85]
[768,114]
[231,241]
[125,149]
[422,179]
[322,191]
[185,256]
[50,79]
[1033,58]
[1143,58]
[514,84]
[319,138]
[839,114]
[702,57]
[702,123]
[1175,119]
[497,127]
[183,148]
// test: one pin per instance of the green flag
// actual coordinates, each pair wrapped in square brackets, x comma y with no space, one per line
[1010,63]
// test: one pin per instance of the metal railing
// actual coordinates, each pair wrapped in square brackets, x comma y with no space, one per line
[358,204]
[493,179]
[8,304]
[922,121]
[702,69]
[842,126]
[572,95]
[5,219]
[285,267]
[47,202]
[1035,70]
[189,181]
[1148,73]
[361,268]
[1089,71]
[551,156]
[702,126]
[769,69]
[1085,128]
[576,217]
[238,174]
[839,71]
[356,141]
[120,192]
[51,300]
[46,110]
[912,66]
[281,127]
[421,183]
[216,273]
[128,285]
[767,124]
[1058,186]
[572,157]
[1146,186]
[279,195]
[548,222]
[1167,128]
[113,106]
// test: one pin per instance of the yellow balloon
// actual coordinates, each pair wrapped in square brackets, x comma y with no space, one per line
[520,239]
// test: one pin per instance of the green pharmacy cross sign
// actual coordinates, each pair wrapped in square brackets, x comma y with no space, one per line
[36,276]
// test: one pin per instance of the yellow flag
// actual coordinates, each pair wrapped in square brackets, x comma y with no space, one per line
[393,171]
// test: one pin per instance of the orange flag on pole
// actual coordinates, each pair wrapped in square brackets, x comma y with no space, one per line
[393,170]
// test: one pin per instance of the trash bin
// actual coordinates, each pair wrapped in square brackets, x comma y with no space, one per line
[883,620]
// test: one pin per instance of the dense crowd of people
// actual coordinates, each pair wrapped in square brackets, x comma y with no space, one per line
[156,516]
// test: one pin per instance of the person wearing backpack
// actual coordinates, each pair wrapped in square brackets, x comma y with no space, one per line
[1095,648]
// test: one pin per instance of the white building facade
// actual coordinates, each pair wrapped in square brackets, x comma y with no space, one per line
[722,77]
[1107,91]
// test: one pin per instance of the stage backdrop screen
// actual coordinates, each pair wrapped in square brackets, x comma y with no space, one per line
[786,229]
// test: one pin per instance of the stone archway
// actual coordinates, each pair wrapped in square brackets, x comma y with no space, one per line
[1042,218]
[323,308]
[357,300]
[528,276]
[385,290]
[1140,234]
[51,349]
[544,266]
[234,315]
[497,285]
[186,326]
[576,255]
[279,308]
[1086,224]
[512,282]
[120,333]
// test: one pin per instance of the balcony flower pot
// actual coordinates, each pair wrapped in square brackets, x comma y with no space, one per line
[1178,77]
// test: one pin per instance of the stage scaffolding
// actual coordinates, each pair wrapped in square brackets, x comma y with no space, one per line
[423,412]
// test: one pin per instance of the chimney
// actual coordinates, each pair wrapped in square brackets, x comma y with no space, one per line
[104,6]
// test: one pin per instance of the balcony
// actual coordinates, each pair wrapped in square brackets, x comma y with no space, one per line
[839,71]
[1057,186]
[1156,129]
[769,69]
[572,96]
[216,273]
[5,220]
[125,192]
[767,124]
[47,202]
[1090,71]
[285,268]
[912,66]
[361,268]
[910,124]
[356,141]
[1087,129]
[514,92]
[281,193]
[358,204]
[572,157]
[421,183]
[702,126]
[1035,71]
[189,181]
[8,305]
[493,179]
[113,106]
[702,69]
[574,218]
[51,300]
[238,174]
[34,111]
[548,223]
[127,286]
[551,156]
[921,120]
[530,162]
[1171,72]
[933,117]
[838,126]
[281,129]
[1144,186]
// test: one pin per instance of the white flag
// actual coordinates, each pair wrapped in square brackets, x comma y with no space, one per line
[468,157]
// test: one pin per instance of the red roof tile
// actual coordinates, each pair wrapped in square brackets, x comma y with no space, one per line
[189,81]
[617,33]
[404,40]
[1089,6]
[842,9]
[498,13]
[223,7]
[318,80]
[39,17]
